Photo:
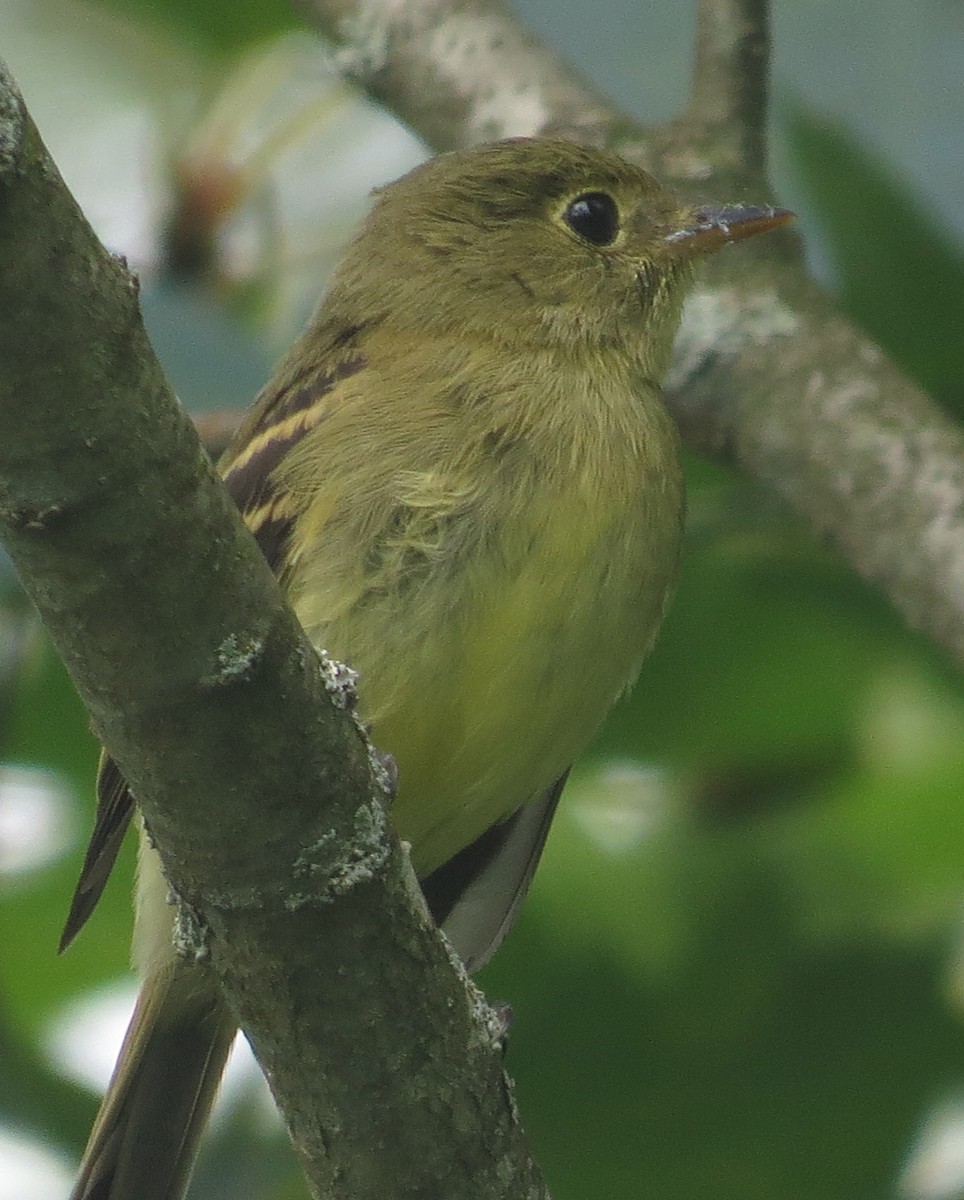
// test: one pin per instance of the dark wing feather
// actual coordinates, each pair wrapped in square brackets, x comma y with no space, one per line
[279,419]
[475,897]
[114,807]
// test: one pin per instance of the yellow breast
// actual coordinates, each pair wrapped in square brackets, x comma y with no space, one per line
[495,604]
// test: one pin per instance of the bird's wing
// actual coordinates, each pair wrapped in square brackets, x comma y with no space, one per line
[280,417]
[475,896]
[114,807]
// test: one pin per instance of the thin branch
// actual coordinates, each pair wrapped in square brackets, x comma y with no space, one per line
[729,94]
[181,646]
[769,372]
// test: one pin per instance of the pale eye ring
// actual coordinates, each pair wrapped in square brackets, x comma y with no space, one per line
[593,216]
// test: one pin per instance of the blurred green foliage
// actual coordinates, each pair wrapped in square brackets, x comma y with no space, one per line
[221,27]
[737,973]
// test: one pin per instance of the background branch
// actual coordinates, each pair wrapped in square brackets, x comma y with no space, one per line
[729,101]
[460,72]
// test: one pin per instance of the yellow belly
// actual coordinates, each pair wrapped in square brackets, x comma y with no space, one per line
[486,680]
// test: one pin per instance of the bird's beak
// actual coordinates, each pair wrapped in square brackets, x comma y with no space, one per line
[704,230]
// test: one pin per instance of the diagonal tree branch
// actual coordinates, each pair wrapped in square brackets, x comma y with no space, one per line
[768,372]
[276,841]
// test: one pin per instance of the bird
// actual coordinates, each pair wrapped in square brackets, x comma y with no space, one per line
[464,477]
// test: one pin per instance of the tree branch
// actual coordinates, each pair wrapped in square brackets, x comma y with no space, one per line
[460,72]
[768,370]
[728,99]
[276,842]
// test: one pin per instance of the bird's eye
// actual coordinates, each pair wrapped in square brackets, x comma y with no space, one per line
[594,216]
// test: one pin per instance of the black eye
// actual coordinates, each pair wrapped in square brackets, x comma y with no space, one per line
[594,216]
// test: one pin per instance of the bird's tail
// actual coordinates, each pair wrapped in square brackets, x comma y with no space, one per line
[144,1140]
